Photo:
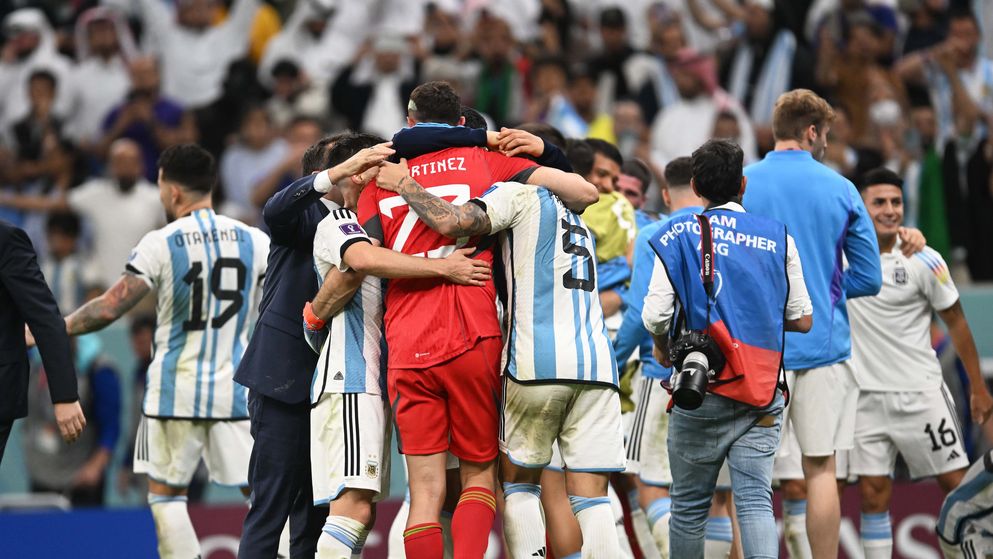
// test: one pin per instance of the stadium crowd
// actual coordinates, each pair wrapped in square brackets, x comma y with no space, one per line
[622,93]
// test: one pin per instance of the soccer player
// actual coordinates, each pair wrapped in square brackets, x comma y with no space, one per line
[561,378]
[824,213]
[350,434]
[206,270]
[904,406]
[965,523]
[444,340]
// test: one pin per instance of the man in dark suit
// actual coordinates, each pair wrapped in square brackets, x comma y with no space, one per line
[26,298]
[278,364]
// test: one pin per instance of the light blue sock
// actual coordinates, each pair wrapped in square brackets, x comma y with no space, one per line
[719,529]
[511,488]
[877,535]
[659,508]
[579,504]
[795,507]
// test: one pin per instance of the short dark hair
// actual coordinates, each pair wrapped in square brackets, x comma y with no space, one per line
[316,157]
[717,167]
[285,68]
[548,133]
[678,172]
[606,149]
[44,75]
[65,222]
[639,170]
[435,102]
[613,17]
[880,175]
[350,144]
[580,156]
[962,12]
[474,118]
[190,166]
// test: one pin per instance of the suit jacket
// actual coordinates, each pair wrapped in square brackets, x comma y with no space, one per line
[26,298]
[278,362]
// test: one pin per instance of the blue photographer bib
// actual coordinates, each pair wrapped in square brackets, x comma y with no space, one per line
[748,300]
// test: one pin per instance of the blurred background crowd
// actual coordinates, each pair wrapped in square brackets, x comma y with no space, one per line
[91,92]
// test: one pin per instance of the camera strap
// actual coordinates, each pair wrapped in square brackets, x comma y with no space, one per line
[706,259]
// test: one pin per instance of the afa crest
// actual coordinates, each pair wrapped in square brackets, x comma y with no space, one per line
[900,276]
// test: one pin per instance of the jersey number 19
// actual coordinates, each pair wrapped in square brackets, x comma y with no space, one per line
[194,278]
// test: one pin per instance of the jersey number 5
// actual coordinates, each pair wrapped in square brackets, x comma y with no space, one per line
[569,279]
[196,282]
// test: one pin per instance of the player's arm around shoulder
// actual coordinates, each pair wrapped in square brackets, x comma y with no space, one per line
[467,220]
[575,192]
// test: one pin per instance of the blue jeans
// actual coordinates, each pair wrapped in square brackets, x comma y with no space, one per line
[699,442]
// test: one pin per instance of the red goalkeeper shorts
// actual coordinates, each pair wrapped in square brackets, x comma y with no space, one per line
[451,406]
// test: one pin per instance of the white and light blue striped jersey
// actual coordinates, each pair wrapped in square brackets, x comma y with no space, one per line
[556,331]
[208,270]
[353,359]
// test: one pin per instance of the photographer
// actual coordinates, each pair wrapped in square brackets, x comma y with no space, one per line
[737,283]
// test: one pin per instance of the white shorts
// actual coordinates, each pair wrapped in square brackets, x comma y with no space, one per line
[350,445]
[585,419]
[648,438]
[822,408]
[922,426]
[169,450]
[788,465]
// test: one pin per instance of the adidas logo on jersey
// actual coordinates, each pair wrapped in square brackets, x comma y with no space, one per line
[339,376]
[539,553]
[955,454]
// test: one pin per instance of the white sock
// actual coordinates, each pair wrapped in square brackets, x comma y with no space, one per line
[597,524]
[339,537]
[357,550]
[795,528]
[283,551]
[719,537]
[658,518]
[642,530]
[177,539]
[877,535]
[523,520]
[394,547]
[622,533]
[446,533]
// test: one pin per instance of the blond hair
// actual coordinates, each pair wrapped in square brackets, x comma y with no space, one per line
[795,111]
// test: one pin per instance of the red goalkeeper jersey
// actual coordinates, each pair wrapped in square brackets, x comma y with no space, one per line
[429,321]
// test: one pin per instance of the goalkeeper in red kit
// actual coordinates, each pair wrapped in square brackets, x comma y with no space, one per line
[445,340]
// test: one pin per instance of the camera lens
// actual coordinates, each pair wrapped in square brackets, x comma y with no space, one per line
[689,385]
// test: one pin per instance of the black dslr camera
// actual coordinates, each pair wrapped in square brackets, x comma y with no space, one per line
[696,360]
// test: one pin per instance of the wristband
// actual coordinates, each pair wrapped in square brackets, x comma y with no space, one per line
[322,182]
[312,321]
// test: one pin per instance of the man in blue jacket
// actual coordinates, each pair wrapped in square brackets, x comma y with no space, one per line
[278,365]
[824,213]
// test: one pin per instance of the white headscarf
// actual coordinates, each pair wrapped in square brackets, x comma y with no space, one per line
[125,39]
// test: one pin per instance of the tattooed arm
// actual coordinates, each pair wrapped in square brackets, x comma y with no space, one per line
[98,313]
[467,220]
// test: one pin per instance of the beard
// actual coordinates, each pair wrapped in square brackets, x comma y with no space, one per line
[817,149]
[126,185]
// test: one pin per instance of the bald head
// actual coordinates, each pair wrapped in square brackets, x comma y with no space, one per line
[145,75]
[126,165]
